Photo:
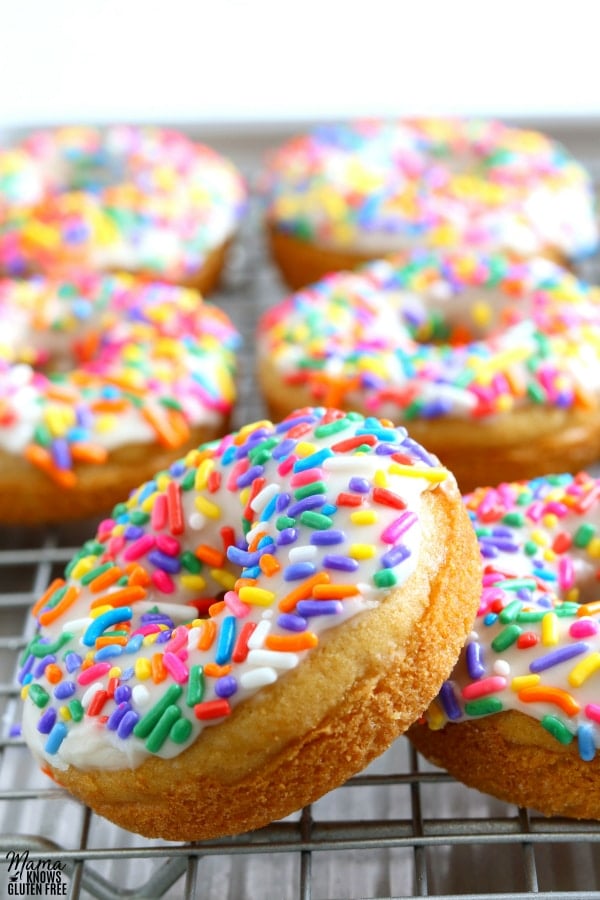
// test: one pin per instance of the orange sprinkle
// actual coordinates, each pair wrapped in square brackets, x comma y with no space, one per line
[214,670]
[124,597]
[105,579]
[208,633]
[166,433]
[215,608]
[137,575]
[542,694]
[244,582]
[302,591]
[589,609]
[70,596]
[61,393]
[105,640]
[210,555]
[269,564]
[92,453]
[41,458]
[157,668]
[334,591]
[53,673]
[53,586]
[256,541]
[294,643]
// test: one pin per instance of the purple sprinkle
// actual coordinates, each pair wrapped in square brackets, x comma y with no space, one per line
[386,449]
[327,538]
[291,622]
[27,667]
[299,570]
[247,477]
[38,669]
[122,693]
[133,532]
[487,550]
[341,563]
[163,637]
[313,501]
[226,686]
[118,715]
[47,721]
[288,424]
[73,662]
[555,657]
[360,485]
[310,608]
[284,448]
[287,536]
[282,501]
[127,724]
[165,562]
[242,557]
[449,701]
[65,689]
[474,658]
[61,454]
[156,618]
[395,556]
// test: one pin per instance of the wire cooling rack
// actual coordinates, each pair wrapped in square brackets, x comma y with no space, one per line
[400,829]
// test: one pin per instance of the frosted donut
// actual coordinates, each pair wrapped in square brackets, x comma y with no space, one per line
[343,194]
[103,381]
[494,365]
[252,627]
[137,199]
[520,716]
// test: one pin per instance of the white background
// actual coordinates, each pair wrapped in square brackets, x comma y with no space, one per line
[230,61]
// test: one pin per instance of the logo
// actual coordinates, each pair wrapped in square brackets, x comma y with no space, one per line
[34,877]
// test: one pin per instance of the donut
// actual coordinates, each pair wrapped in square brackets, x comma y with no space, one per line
[519,718]
[252,626]
[346,193]
[144,200]
[104,380]
[493,364]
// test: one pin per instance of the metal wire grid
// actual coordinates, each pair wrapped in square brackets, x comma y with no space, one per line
[401,829]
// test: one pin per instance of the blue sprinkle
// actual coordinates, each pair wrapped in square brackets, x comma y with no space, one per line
[132,646]
[226,640]
[585,741]
[56,737]
[313,461]
[108,651]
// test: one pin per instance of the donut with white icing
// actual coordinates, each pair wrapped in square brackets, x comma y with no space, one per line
[493,364]
[519,717]
[342,194]
[252,626]
[104,379]
[125,198]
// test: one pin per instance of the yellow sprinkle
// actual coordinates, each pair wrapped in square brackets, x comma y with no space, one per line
[433,475]
[99,610]
[207,507]
[481,313]
[148,504]
[573,595]
[192,582]
[550,520]
[142,668]
[106,423]
[539,537]
[115,672]
[304,448]
[202,473]
[582,671]
[549,555]
[593,548]
[522,681]
[380,479]
[162,480]
[149,639]
[65,713]
[226,579]
[364,517]
[550,629]
[24,691]
[435,716]
[256,596]
[362,551]
[83,566]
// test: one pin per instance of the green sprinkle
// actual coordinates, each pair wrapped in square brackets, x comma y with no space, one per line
[139,517]
[147,723]
[181,731]
[510,612]
[331,427]
[284,522]
[518,584]
[584,534]
[316,520]
[161,730]
[307,490]
[190,562]
[76,709]
[93,573]
[530,548]
[39,649]
[506,638]
[384,578]
[531,615]
[195,686]
[38,695]
[188,480]
[485,706]
[536,393]
[514,518]
[557,729]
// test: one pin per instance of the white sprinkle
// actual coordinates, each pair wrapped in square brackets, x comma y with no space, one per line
[257,638]
[197,521]
[256,678]
[140,695]
[263,497]
[90,693]
[274,658]
[303,553]
[501,667]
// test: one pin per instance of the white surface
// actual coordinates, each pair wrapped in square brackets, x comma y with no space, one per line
[211,61]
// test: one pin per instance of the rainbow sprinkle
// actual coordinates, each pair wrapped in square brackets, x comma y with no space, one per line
[455,335]
[378,187]
[123,198]
[97,362]
[178,610]
[535,646]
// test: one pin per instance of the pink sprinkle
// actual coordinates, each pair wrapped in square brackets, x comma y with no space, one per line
[115,545]
[139,548]
[146,629]
[488,596]
[175,667]
[98,670]
[163,582]
[307,477]
[237,606]
[159,513]
[168,544]
[583,627]
[287,465]
[592,711]
[398,527]
[105,527]
[238,469]
[566,573]
[179,638]
[535,511]
[491,685]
